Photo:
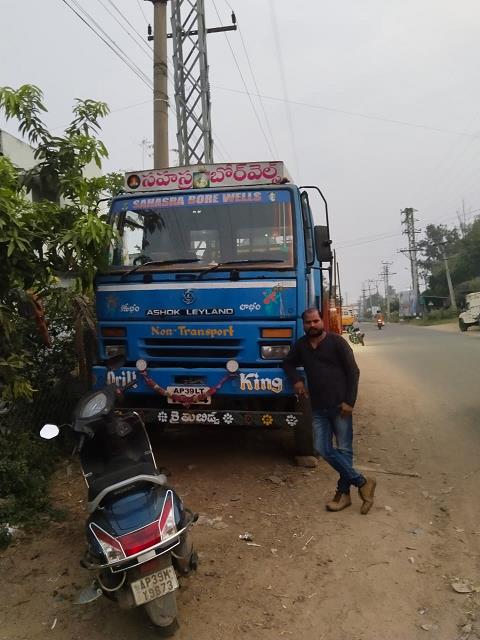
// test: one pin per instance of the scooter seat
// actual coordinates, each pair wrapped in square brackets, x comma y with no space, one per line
[123,470]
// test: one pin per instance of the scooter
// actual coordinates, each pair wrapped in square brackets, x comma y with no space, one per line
[380,323]
[137,528]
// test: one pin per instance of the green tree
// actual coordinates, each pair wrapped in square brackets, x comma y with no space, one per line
[437,238]
[64,233]
[463,255]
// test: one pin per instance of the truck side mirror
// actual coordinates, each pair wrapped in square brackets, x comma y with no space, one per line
[323,244]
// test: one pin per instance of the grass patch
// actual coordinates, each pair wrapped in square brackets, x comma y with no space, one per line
[439,316]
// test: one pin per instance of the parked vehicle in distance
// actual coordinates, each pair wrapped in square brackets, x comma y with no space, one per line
[348,318]
[470,316]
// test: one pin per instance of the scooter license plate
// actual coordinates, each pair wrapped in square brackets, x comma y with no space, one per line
[154,586]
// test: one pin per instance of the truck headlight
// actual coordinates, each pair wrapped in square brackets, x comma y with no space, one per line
[274,351]
[112,350]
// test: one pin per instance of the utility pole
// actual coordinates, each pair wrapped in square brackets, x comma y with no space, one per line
[370,296]
[339,287]
[160,87]
[410,231]
[447,273]
[386,273]
[364,301]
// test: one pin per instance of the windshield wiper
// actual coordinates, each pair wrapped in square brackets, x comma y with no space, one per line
[224,264]
[158,262]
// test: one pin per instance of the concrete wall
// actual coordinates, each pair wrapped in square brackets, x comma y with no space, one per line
[21,155]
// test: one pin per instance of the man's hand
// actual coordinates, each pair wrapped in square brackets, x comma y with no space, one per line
[300,390]
[345,410]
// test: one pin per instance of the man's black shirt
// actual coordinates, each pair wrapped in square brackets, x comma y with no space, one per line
[331,370]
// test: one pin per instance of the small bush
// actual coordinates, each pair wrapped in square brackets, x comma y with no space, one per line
[25,466]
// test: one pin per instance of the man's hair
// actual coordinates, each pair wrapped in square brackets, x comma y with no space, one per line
[311,310]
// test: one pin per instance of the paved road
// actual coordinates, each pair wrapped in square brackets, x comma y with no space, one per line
[443,364]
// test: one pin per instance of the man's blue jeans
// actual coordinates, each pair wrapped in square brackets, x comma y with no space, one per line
[326,424]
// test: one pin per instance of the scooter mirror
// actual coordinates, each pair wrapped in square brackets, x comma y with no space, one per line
[115,363]
[49,431]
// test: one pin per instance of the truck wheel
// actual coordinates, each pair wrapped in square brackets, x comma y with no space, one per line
[462,325]
[303,430]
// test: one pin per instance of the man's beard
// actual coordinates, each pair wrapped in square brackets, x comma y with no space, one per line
[314,332]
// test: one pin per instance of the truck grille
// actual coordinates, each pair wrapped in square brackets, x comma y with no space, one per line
[182,350]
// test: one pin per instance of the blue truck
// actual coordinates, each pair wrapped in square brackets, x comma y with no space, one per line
[208,276]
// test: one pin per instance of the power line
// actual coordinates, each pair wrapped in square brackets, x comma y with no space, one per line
[142,11]
[127,21]
[147,50]
[139,71]
[245,49]
[376,239]
[244,83]
[284,84]
[356,114]
[355,242]
[111,45]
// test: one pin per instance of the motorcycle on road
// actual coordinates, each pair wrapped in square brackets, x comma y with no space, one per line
[137,527]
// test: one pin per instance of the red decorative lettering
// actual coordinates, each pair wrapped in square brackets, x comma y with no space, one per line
[148,180]
[185,180]
[240,173]
[270,172]
[255,172]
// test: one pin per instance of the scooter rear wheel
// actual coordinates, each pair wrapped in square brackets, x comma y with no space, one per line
[166,625]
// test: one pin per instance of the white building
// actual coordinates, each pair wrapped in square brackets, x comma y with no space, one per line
[22,156]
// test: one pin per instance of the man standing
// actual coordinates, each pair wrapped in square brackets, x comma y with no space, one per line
[332,376]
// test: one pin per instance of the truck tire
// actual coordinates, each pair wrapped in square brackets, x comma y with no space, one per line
[303,430]
[462,325]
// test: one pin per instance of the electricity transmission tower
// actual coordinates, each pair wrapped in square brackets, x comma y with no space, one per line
[192,89]
[409,221]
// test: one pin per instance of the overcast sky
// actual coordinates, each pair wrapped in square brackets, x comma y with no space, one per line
[390,115]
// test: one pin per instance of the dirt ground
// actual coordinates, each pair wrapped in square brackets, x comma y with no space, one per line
[310,574]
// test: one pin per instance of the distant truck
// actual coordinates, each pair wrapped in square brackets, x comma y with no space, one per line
[348,318]
[470,316]
[407,304]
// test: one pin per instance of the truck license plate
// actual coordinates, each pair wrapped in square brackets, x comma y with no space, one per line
[154,586]
[189,392]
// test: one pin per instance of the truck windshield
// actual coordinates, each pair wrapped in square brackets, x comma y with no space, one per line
[192,231]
